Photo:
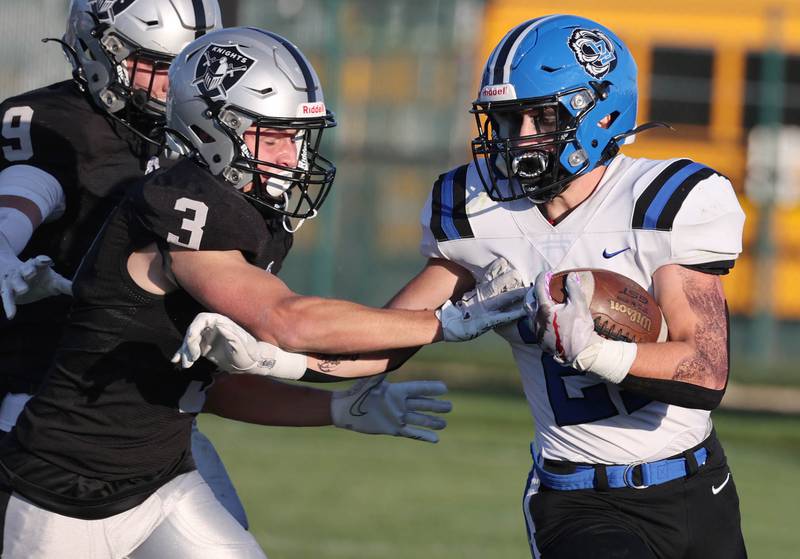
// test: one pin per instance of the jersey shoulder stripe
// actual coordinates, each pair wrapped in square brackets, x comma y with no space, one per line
[449,219]
[660,202]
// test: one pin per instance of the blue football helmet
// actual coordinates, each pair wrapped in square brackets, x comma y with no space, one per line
[566,74]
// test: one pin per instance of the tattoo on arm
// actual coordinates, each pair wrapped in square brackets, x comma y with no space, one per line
[709,365]
[329,363]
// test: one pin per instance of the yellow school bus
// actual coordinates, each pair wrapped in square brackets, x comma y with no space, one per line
[699,69]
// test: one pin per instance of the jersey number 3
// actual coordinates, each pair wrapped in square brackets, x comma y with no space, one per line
[194,225]
[17,134]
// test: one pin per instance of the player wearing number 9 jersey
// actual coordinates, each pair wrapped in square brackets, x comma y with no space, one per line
[70,151]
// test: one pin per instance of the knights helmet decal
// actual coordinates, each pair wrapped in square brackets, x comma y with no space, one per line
[219,68]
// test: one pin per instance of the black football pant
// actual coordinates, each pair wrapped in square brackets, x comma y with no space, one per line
[695,517]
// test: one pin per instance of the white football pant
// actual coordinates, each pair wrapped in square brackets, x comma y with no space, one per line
[181,520]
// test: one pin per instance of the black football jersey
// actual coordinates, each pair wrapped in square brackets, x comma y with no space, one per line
[113,407]
[95,159]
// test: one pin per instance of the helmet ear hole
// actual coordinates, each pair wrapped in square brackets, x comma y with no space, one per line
[204,136]
[608,120]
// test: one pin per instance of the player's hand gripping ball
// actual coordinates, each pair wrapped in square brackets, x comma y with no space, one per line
[591,320]
[621,309]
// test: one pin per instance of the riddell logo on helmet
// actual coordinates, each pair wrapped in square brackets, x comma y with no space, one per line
[498,92]
[311,109]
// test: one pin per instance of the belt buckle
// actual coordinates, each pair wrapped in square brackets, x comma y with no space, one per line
[628,471]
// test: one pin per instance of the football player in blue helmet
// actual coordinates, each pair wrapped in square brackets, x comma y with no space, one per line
[573,82]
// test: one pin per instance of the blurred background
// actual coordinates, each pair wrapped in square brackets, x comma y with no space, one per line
[400,75]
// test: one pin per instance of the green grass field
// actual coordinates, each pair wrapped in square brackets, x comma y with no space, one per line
[332,494]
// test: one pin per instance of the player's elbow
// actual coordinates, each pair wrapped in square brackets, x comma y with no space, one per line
[291,326]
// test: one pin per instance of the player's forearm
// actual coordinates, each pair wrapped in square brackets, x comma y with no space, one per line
[682,362]
[679,373]
[316,325]
[360,365]
[264,401]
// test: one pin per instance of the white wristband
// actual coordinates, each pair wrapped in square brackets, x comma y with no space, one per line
[608,359]
[280,364]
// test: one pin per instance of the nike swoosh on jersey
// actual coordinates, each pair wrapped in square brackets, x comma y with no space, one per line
[607,254]
[716,490]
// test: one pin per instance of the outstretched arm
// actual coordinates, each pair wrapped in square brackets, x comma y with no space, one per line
[372,406]
[260,302]
[233,348]
[437,282]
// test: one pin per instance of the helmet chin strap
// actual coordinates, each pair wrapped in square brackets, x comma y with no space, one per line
[286,222]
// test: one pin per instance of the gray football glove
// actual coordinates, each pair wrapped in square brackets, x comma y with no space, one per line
[496,299]
[377,407]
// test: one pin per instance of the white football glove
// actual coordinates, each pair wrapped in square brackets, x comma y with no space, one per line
[231,348]
[496,299]
[29,281]
[566,330]
[377,407]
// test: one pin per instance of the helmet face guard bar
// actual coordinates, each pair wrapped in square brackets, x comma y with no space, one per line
[300,190]
[144,99]
[531,164]
[123,84]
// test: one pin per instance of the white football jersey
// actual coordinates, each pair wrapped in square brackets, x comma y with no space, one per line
[644,214]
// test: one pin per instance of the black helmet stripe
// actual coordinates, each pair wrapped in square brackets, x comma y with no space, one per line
[199,18]
[311,87]
[505,49]
[508,48]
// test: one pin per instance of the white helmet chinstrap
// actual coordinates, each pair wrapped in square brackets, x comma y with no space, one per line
[246,79]
[102,34]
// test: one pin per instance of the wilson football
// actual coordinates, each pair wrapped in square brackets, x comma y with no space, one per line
[621,308]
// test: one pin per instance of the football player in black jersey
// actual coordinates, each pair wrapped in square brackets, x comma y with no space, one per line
[100,461]
[69,152]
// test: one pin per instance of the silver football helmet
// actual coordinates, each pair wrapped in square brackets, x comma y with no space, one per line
[246,79]
[102,34]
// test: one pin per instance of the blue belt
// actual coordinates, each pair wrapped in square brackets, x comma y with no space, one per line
[652,473]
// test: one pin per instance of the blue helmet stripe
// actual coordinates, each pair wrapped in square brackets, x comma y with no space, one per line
[311,87]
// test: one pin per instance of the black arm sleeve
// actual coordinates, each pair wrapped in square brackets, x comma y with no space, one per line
[673,392]
[315,376]
[719,268]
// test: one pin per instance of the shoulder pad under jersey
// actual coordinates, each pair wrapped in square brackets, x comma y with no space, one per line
[699,208]
[186,206]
